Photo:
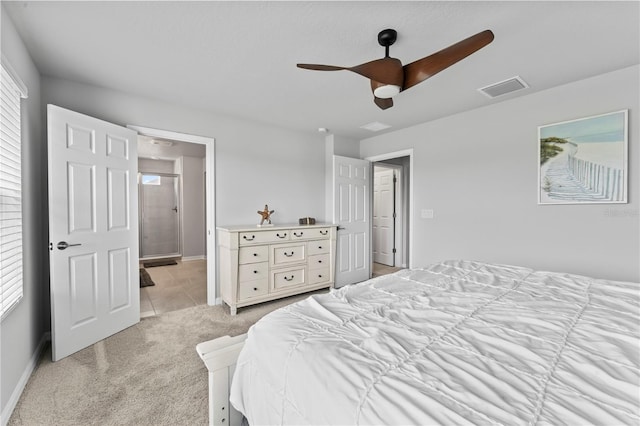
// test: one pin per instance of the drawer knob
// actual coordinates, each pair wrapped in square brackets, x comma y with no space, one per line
[255,272]
[255,289]
[288,279]
[319,276]
[320,247]
[319,261]
[324,232]
[255,254]
[298,235]
[253,237]
[282,236]
[288,254]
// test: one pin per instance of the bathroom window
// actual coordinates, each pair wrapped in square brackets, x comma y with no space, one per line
[150,180]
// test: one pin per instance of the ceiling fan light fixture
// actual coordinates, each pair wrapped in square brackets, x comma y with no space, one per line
[386,91]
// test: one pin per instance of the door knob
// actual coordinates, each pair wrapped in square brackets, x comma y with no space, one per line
[63,245]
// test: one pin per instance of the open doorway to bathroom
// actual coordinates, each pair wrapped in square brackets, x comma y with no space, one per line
[172,224]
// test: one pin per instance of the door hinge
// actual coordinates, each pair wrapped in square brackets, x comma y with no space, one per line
[395,179]
[394,250]
[394,215]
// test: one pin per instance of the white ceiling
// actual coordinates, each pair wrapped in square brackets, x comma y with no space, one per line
[238,58]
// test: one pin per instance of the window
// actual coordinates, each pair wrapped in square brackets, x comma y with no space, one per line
[150,180]
[11,92]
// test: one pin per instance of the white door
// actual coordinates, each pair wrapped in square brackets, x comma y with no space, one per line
[383,237]
[351,187]
[93,230]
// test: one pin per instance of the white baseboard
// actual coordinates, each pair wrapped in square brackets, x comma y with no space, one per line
[17,392]
[190,258]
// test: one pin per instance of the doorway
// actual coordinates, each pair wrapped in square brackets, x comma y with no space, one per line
[171,190]
[176,217]
[391,239]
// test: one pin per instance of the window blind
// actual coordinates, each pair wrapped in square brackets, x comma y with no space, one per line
[10,191]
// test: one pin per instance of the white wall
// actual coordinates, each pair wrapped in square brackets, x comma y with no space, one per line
[22,331]
[193,207]
[255,164]
[156,166]
[478,171]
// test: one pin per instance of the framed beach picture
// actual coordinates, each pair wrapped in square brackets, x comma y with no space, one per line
[584,160]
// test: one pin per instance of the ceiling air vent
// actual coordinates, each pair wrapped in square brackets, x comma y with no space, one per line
[375,126]
[503,87]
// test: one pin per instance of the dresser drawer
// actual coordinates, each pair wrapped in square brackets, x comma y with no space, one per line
[319,275]
[255,288]
[288,253]
[318,247]
[253,271]
[261,237]
[318,261]
[288,278]
[309,233]
[253,254]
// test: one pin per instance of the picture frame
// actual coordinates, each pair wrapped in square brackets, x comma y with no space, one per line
[584,161]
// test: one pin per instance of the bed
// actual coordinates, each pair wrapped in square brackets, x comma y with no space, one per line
[459,342]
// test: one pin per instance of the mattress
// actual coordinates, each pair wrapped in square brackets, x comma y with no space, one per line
[459,342]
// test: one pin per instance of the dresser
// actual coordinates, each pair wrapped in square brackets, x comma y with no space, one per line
[258,264]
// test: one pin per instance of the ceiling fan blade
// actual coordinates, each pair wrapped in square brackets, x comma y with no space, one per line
[385,70]
[316,67]
[383,103]
[420,70]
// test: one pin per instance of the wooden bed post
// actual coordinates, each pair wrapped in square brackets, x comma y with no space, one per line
[219,356]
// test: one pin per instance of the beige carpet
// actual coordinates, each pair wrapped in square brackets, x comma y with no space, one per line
[148,374]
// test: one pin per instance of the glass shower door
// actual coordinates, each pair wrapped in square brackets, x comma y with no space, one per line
[159,215]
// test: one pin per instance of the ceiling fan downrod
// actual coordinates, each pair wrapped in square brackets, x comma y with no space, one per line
[386,38]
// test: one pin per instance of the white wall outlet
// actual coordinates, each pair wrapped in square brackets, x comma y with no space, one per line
[426,214]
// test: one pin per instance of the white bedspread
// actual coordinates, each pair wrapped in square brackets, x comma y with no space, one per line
[456,343]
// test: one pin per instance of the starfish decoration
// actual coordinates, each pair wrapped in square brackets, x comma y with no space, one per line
[266,214]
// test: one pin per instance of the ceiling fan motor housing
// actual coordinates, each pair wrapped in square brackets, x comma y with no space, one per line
[387,37]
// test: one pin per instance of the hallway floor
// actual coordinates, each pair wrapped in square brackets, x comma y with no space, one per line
[380,269]
[177,287]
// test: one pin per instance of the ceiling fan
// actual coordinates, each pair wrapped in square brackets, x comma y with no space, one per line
[389,77]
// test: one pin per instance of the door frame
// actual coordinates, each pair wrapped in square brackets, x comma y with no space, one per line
[409,234]
[210,194]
